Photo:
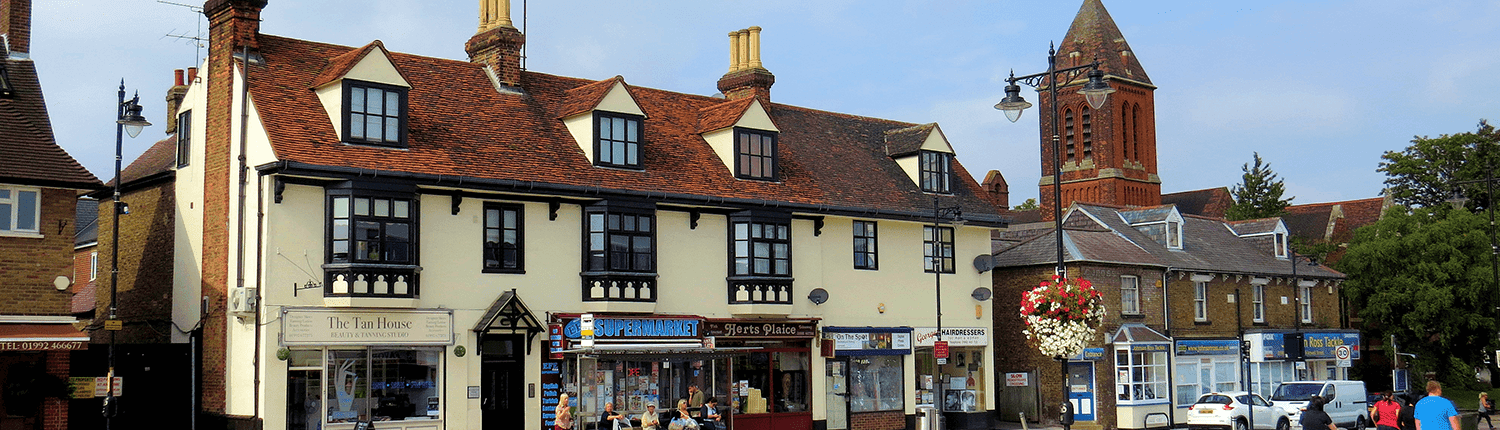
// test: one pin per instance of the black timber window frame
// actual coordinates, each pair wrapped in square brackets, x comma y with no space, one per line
[619,237]
[391,126]
[371,228]
[760,245]
[504,238]
[866,245]
[618,140]
[755,154]
[937,249]
[6,88]
[936,172]
[184,138]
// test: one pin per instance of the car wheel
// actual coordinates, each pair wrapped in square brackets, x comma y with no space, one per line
[1283,424]
[1360,424]
[1240,425]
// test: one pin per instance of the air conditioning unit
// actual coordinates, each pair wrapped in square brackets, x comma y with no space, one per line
[242,301]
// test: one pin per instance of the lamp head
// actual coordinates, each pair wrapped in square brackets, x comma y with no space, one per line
[1012,104]
[1096,90]
[132,120]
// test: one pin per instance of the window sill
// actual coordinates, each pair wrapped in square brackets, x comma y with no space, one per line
[373,144]
[867,268]
[1133,316]
[506,271]
[417,268]
[22,234]
[1259,323]
[1202,322]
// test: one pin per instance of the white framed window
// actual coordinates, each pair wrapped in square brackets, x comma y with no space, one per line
[1306,304]
[1259,303]
[1267,376]
[1141,371]
[1281,244]
[1174,234]
[1200,301]
[93,265]
[1130,295]
[20,209]
[1198,375]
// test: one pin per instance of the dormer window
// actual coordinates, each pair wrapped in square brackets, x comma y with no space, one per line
[1281,245]
[618,142]
[936,174]
[755,154]
[374,114]
[1174,234]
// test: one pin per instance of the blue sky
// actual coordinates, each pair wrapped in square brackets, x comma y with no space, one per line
[1319,88]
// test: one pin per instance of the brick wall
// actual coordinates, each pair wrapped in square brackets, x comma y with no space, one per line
[29,265]
[1111,176]
[887,420]
[55,410]
[1221,314]
[146,266]
[82,268]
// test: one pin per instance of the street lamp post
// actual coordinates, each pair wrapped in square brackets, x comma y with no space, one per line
[938,253]
[1096,91]
[128,120]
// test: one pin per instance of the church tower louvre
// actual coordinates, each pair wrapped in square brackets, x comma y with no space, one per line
[1108,154]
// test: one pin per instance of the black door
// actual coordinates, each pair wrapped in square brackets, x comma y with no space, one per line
[503,378]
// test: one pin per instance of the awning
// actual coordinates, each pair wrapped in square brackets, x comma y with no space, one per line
[41,337]
[509,314]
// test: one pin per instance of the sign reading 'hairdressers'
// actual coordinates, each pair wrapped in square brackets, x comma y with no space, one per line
[359,327]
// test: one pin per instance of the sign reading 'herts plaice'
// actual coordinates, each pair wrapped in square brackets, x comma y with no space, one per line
[350,327]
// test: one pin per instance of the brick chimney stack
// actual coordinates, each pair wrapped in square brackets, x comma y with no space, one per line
[237,20]
[174,99]
[498,43]
[747,77]
[996,190]
[15,23]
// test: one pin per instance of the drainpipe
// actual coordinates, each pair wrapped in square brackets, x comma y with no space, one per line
[244,169]
[1166,301]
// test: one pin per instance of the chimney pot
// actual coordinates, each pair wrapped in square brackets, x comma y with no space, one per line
[192,75]
[744,50]
[746,76]
[734,51]
[177,77]
[755,48]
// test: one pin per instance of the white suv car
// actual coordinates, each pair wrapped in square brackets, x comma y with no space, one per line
[1232,411]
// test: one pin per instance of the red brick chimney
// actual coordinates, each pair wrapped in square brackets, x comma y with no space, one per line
[236,20]
[174,99]
[746,76]
[498,43]
[15,23]
[996,190]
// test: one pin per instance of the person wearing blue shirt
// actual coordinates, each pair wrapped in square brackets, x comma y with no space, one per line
[1435,412]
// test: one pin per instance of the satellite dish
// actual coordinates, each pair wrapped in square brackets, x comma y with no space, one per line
[818,296]
[981,294]
[984,262]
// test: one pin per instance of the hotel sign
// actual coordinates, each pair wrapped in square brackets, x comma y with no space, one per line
[366,327]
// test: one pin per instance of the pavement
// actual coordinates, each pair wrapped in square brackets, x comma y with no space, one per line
[1008,425]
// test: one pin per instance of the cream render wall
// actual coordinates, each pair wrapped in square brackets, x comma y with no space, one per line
[241,367]
[187,273]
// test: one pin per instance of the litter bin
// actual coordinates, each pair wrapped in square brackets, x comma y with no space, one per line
[1468,420]
[929,418]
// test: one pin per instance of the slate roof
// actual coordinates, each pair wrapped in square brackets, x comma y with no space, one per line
[159,158]
[1253,226]
[86,222]
[29,155]
[1095,35]
[1099,234]
[1211,202]
[461,127]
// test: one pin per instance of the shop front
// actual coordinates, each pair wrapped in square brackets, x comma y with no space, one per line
[770,380]
[961,380]
[351,366]
[34,361]
[1204,366]
[1141,369]
[865,373]
[1270,364]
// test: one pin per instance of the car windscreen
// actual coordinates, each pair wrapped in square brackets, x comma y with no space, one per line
[1214,398]
[1296,392]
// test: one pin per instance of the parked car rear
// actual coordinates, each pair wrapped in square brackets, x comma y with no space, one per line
[1232,411]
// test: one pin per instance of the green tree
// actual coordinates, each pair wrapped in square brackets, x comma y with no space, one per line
[1424,276]
[1425,174]
[1029,204]
[1259,193]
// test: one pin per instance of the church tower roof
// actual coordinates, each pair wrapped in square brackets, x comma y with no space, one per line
[1094,35]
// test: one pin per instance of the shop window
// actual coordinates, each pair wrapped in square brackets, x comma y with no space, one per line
[773,382]
[1197,375]
[383,384]
[876,383]
[1142,376]
[1267,376]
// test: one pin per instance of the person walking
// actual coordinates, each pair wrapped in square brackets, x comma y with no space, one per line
[1435,412]
[1486,407]
[1387,412]
[1406,420]
[1314,418]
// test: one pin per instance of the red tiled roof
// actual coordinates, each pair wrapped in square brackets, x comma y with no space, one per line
[29,155]
[340,65]
[723,114]
[587,97]
[906,141]
[1211,202]
[459,125]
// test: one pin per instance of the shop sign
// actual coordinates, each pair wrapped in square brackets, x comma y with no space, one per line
[359,327]
[955,336]
[1208,347]
[637,328]
[751,329]
[551,389]
[42,345]
[1089,354]
[555,342]
[867,343]
[1018,379]
[1315,345]
[1149,347]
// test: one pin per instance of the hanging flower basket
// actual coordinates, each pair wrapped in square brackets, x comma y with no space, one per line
[1062,316]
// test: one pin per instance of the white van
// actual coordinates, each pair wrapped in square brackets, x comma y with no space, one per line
[1345,401]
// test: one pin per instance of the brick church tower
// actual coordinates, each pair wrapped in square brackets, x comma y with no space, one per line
[1108,154]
